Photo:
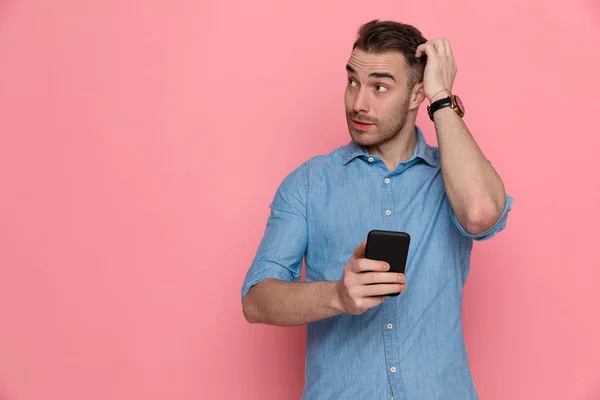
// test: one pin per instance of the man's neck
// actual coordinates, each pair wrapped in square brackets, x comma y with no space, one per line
[398,149]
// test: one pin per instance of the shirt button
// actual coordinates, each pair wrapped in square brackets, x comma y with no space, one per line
[370,159]
[390,326]
[388,212]
[393,369]
[387,180]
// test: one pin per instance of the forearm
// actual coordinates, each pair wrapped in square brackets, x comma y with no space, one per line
[472,185]
[282,303]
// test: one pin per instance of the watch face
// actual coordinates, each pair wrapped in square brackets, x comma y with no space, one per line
[460,105]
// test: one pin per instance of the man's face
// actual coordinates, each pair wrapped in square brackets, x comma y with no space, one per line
[377,96]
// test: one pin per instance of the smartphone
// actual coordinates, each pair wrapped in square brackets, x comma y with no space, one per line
[389,246]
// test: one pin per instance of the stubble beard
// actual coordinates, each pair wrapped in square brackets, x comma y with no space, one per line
[382,131]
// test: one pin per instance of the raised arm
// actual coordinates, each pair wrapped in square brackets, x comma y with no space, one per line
[473,186]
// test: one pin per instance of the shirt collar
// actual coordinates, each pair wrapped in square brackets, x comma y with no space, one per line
[422,151]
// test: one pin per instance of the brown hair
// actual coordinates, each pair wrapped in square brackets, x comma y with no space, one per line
[383,36]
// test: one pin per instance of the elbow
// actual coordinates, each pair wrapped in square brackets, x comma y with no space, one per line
[254,306]
[250,310]
[477,227]
[482,217]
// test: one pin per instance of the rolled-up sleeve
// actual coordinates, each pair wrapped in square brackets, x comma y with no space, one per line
[491,232]
[284,242]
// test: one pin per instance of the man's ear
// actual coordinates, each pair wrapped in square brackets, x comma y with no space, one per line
[417,95]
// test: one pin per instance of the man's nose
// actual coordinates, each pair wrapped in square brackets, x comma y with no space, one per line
[361,103]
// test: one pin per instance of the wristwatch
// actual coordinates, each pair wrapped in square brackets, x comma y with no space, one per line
[452,101]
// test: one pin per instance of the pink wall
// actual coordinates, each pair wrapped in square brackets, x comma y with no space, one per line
[140,145]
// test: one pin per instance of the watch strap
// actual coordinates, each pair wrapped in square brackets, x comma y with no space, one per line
[438,105]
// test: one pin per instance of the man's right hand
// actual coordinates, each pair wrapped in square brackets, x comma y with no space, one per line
[366,283]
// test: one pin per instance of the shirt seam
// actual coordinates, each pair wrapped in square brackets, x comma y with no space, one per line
[306,184]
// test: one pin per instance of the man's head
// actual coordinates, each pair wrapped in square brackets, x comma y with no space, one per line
[384,88]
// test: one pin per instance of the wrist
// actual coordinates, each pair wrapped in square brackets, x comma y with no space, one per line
[450,101]
[335,299]
[440,95]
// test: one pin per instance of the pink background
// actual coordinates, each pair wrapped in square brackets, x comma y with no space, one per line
[142,141]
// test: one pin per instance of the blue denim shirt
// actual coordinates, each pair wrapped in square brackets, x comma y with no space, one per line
[411,346]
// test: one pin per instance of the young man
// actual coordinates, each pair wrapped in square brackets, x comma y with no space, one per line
[362,344]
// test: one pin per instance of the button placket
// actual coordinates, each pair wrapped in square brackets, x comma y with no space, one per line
[392,343]
[388,201]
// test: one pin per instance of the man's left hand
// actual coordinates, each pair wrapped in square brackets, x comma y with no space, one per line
[440,69]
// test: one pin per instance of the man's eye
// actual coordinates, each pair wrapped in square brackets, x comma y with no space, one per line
[352,82]
[381,88]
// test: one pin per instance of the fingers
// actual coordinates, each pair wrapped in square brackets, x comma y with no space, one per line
[435,47]
[448,49]
[380,277]
[365,264]
[359,298]
[381,289]
[425,48]
[450,54]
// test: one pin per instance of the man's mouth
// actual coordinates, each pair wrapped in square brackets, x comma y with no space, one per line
[361,125]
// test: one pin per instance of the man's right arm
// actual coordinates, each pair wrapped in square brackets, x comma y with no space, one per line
[364,285]
[277,302]
[272,292]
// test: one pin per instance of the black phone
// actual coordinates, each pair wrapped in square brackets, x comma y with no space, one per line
[389,246]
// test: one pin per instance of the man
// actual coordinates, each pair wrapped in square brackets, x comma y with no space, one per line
[362,344]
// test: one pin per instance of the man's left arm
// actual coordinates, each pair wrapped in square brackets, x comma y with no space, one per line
[474,188]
